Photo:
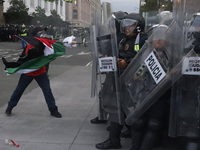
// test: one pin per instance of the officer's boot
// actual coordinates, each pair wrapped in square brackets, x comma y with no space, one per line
[114,138]
[136,139]
[137,133]
[151,137]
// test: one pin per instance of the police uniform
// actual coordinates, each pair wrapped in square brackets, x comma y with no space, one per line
[106,50]
[24,32]
[147,129]
[39,75]
[188,110]
[128,48]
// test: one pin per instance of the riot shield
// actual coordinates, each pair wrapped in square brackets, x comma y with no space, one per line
[150,19]
[105,71]
[94,33]
[148,76]
[185,101]
[153,18]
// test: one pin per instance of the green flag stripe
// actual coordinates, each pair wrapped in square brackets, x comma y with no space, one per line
[39,62]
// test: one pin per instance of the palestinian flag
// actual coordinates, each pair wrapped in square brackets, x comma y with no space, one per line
[52,49]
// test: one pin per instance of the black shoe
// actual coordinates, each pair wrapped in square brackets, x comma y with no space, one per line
[126,134]
[97,121]
[4,61]
[56,114]
[8,110]
[109,144]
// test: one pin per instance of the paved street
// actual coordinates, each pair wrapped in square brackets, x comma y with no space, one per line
[31,125]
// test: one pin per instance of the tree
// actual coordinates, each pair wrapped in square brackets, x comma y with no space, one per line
[151,5]
[68,1]
[54,19]
[155,5]
[39,17]
[17,12]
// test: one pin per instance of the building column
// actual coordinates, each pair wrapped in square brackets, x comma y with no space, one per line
[2,21]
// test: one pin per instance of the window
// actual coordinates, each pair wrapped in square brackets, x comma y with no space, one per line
[39,3]
[57,6]
[75,3]
[75,14]
[46,6]
[32,3]
[51,6]
[61,9]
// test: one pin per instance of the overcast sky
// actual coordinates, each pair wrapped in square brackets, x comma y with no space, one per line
[125,5]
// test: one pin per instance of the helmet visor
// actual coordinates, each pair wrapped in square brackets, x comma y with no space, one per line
[129,22]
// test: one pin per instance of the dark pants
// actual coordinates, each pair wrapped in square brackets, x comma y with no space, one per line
[43,82]
[147,130]
[115,131]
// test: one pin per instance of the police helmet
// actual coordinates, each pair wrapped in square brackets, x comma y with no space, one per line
[159,27]
[134,19]
[196,24]
[119,15]
[160,32]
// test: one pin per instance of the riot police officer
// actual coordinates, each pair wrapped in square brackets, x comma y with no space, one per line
[24,32]
[147,130]
[192,141]
[185,108]
[118,16]
[133,27]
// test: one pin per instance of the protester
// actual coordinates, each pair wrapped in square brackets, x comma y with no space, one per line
[39,75]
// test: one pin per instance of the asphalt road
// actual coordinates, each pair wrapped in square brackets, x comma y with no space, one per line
[78,56]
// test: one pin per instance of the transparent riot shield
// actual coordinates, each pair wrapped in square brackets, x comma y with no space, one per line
[150,19]
[148,76]
[185,101]
[105,78]
[156,17]
[94,33]
[189,30]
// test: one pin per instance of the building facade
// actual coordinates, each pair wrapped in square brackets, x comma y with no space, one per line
[1,12]
[79,13]
[59,6]
[106,11]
